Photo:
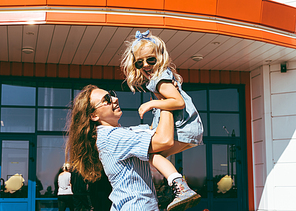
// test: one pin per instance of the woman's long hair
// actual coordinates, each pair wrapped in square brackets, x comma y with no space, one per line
[81,150]
[134,78]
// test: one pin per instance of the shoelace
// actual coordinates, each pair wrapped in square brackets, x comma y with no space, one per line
[176,190]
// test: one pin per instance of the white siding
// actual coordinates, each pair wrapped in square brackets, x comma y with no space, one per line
[258,133]
[274,137]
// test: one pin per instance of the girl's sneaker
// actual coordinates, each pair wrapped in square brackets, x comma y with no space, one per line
[184,197]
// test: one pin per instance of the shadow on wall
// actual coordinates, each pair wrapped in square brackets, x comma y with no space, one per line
[280,184]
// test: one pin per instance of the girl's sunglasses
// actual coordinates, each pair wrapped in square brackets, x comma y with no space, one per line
[107,98]
[140,63]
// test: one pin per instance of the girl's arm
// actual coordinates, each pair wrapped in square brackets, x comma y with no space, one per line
[169,99]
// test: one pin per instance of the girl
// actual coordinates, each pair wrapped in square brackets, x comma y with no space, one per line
[146,61]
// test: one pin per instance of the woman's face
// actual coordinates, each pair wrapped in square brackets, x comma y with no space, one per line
[144,52]
[105,114]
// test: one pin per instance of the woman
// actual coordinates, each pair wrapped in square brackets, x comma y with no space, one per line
[96,139]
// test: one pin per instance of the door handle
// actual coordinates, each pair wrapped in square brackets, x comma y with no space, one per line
[32,159]
[2,184]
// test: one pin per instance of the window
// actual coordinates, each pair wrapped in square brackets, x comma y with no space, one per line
[195,170]
[224,112]
[18,95]
[223,99]
[129,103]
[53,106]
[224,168]
[18,120]
[49,96]
[51,119]
[206,165]
[14,168]
[17,112]
[50,158]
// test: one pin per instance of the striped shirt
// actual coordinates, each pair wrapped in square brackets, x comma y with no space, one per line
[124,155]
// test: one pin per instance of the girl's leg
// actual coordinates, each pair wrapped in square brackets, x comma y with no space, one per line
[163,165]
[184,196]
[176,148]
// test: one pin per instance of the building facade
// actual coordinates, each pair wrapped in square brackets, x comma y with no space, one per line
[242,86]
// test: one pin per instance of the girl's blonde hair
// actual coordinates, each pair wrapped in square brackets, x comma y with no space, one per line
[81,151]
[134,78]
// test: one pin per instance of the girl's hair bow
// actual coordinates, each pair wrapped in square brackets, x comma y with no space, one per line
[142,36]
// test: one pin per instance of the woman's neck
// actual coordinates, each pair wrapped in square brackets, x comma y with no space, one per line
[115,124]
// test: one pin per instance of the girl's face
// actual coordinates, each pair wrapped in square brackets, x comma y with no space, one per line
[143,53]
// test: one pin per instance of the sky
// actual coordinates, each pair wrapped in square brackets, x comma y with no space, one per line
[287,2]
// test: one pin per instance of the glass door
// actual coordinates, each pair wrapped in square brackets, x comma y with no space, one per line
[214,171]
[16,182]
[217,170]
[225,177]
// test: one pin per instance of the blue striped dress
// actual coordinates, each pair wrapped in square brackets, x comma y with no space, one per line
[124,155]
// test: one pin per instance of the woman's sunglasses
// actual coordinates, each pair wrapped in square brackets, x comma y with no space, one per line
[140,63]
[107,98]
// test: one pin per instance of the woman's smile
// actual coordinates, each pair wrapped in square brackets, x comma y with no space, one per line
[116,107]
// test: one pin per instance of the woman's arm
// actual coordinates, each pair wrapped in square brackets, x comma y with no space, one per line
[163,138]
[169,99]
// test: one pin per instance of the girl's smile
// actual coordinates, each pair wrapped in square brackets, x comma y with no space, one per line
[147,71]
